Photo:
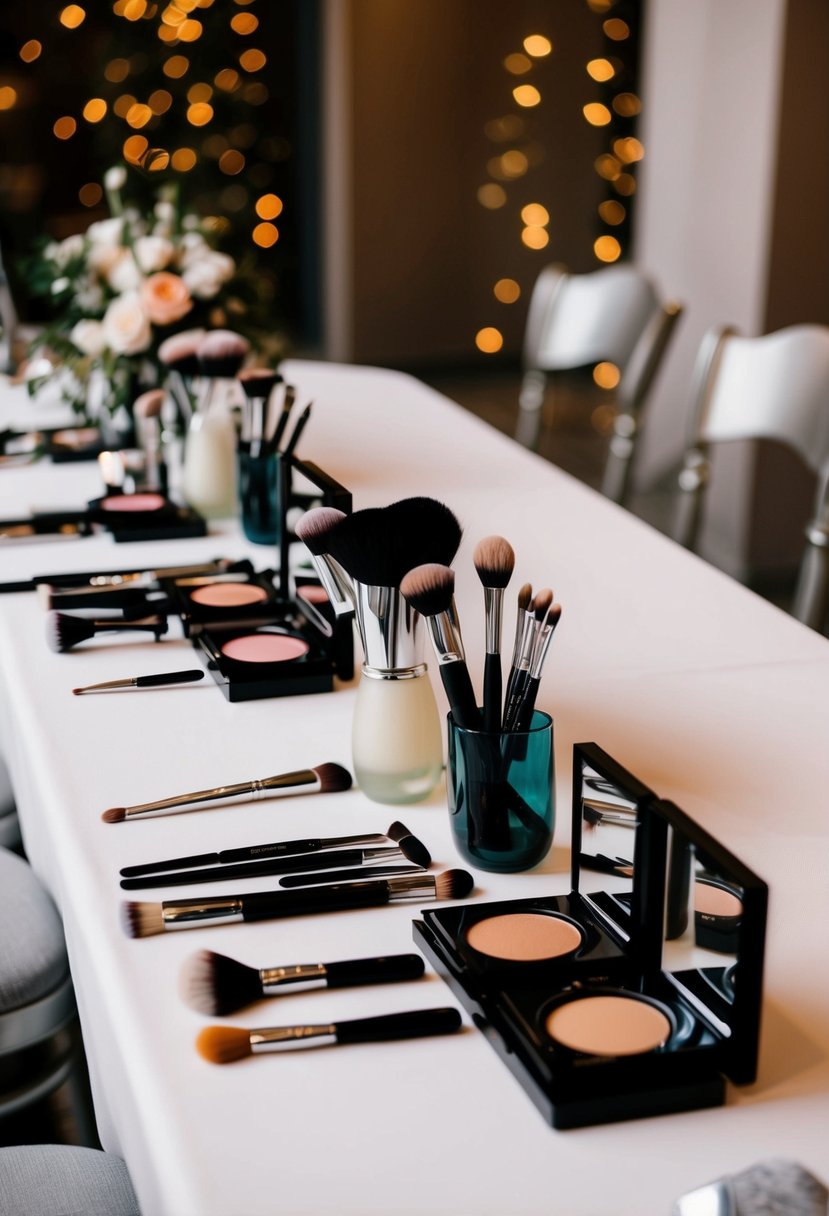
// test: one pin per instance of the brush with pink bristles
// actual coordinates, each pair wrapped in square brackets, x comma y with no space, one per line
[147,413]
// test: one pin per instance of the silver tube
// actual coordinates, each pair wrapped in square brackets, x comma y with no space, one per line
[184,913]
[412,886]
[390,630]
[446,637]
[282,1038]
[301,977]
[493,607]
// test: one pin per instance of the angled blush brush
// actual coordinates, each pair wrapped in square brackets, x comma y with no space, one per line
[494,560]
[216,985]
[315,529]
[325,779]
[148,919]
[224,1044]
[429,589]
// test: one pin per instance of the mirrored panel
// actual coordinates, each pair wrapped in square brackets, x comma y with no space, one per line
[607,830]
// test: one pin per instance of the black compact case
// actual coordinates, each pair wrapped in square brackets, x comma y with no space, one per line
[169,521]
[288,611]
[667,953]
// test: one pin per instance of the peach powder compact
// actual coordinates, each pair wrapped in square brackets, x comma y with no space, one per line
[524,937]
[265,648]
[229,595]
[609,1026]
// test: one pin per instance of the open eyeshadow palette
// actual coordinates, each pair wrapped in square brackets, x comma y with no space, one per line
[636,999]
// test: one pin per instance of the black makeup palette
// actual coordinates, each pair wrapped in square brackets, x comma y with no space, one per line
[147,515]
[61,444]
[636,994]
[225,601]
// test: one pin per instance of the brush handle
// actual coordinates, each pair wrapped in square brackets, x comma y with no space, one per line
[154,624]
[414,1025]
[170,677]
[385,970]
[492,692]
[257,852]
[272,904]
[515,690]
[251,869]
[460,693]
[325,876]
[526,705]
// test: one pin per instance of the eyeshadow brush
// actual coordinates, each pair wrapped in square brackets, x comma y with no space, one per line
[293,440]
[140,919]
[533,623]
[532,682]
[155,681]
[429,589]
[224,1044]
[494,561]
[325,876]
[325,779]
[287,405]
[216,985]
[397,832]
[363,858]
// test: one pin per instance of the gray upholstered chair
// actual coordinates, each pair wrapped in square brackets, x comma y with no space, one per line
[610,315]
[9,826]
[56,1180]
[39,1037]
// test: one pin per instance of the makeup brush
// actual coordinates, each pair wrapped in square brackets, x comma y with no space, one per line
[318,877]
[268,866]
[147,413]
[494,560]
[429,590]
[64,631]
[147,919]
[294,437]
[221,353]
[314,529]
[224,1044]
[81,584]
[378,546]
[529,690]
[397,832]
[257,384]
[216,985]
[285,413]
[522,656]
[156,681]
[179,355]
[325,779]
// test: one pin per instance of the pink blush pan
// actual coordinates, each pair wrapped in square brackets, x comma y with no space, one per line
[134,502]
[228,595]
[265,648]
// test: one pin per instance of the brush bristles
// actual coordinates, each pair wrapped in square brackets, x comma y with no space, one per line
[142,919]
[453,884]
[494,559]
[554,616]
[221,352]
[333,778]
[524,596]
[314,528]
[415,851]
[216,985]
[64,631]
[223,1044]
[429,589]
[115,814]
[149,404]
[379,545]
[541,603]
[179,352]
[258,382]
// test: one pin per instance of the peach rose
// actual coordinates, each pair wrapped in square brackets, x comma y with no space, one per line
[165,298]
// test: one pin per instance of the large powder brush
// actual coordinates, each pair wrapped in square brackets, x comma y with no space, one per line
[380,545]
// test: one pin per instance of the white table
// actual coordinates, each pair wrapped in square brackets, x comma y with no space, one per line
[710,695]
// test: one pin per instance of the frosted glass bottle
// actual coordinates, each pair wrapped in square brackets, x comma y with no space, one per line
[396,738]
[209,470]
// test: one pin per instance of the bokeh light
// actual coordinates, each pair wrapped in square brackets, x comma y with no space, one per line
[65,127]
[534,237]
[8,96]
[607,249]
[538,46]
[492,196]
[176,66]
[526,95]
[253,60]
[269,206]
[507,291]
[265,235]
[518,64]
[616,29]
[601,70]
[199,114]
[90,194]
[489,340]
[596,114]
[606,375]
[95,109]
[30,51]
[184,159]
[535,215]
[612,212]
[72,16]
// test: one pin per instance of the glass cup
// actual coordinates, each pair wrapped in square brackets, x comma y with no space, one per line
[257,496]
[500,790]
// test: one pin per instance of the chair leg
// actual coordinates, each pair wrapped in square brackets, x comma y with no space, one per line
[79,1095]
[693,480]
[618,469]
[530,405]
[811,597]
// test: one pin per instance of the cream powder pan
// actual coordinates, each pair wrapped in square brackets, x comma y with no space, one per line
[524,937]
[609,1025]
[229,595]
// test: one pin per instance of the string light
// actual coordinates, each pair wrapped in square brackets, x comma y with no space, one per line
[537,45]
[269,206]
[489,340]
[8,96]
[526,95]
[507,291]
[95,109]
[30,51]
[72,16]
[265,235]
[606,375]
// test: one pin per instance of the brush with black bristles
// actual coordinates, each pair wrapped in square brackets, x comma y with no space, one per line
[64,631]
[530,628]
[494,560]
[324,779]
[224,1044]
[378,546]
[315,529]
[221,353]
[257,384]
[141,919]
[429,589]
[529,691]
[216,985]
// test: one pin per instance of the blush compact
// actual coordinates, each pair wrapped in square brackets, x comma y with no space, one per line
[225,601]
[274,660]
[636,994]
[146,515]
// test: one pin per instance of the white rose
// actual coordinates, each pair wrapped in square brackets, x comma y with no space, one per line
[115,177]
[124,274]
[165,211]
[106,232]
[63,253]
[205,275]
[126,326]
[153,253]
[89,294]
[193,245]
[89,338]
[59,285]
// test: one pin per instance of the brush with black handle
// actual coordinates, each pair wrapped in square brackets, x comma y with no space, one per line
[533,624]
[529,692]
[494,560]
[429,589]
[64,631]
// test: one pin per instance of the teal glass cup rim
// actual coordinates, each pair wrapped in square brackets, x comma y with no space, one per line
[541,721]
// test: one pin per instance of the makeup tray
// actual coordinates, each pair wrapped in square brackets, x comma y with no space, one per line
[665,950]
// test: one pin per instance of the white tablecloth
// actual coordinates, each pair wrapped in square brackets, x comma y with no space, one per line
[710,695]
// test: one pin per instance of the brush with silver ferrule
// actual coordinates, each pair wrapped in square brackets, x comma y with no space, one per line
[429,589]
[147,413]
[324,779]
[494,560]
[64,631]
[216,985]
[533,624]
[529,692]
[522,626]
[224,1044]
[315,529]
[155,681]
[140,919]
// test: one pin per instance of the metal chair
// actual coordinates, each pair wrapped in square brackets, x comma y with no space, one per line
[55,1179]
[613,315]
[772,387]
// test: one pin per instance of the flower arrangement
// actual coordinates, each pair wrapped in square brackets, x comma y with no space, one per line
[124,286]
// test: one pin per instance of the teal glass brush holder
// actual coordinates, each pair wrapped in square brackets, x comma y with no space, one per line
[500,789]
[260,511]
